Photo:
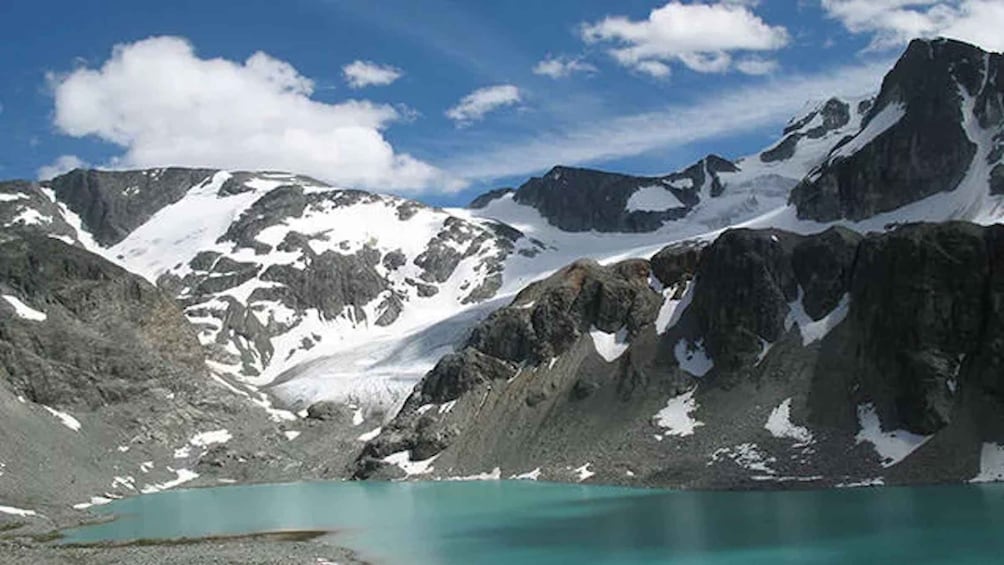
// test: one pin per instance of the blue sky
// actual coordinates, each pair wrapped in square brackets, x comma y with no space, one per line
[637,86]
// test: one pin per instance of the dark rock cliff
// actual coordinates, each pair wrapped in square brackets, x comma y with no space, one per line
[926,151]
[827,327]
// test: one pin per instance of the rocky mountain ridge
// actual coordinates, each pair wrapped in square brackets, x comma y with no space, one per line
[774,359]
[535,332]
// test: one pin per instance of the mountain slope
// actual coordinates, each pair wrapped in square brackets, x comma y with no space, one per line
[775,359]
[349,303]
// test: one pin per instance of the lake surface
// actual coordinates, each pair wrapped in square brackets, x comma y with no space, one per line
[446,523]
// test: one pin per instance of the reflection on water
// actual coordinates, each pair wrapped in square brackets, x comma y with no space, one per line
[509,522]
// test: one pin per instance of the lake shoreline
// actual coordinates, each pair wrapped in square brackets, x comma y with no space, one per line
[262,548]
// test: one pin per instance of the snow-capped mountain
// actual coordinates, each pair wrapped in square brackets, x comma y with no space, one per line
[320,293]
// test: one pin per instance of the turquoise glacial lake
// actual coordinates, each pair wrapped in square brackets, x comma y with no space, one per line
[503,522]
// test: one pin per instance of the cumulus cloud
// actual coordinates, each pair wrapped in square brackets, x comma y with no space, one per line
[477,104]
[165,105]
[62,164]
[561,67]
[702,37]
[894,22]
[360,74]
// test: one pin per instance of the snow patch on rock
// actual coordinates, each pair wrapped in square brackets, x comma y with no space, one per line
[671,310]
[403,460]
[12,511]
[815,330]
[780,426]
[692,357]
[609,346]
[991,464]
[584,473]
[64,418]
[677,417]
[529,476]
[206,439]
[23,310]
[892,446]
[653,198]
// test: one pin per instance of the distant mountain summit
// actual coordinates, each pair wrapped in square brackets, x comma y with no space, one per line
[935,127]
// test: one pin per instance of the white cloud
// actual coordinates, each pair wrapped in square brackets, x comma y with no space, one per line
[164,105]
[62,164]
[561,67]
[894,22]
[757,66]
[360,74]
[701,36]
[656,69]
[734,112]
[477,104]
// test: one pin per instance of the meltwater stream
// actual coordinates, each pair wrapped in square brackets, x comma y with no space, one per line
[505,522]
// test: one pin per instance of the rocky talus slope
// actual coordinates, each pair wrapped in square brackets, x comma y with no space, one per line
[767,358]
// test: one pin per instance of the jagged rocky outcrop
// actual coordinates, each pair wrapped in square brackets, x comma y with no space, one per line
[833,115]
[114,203]
[577,200]
[546,321]
[104,387]
[765,358]
[923,135]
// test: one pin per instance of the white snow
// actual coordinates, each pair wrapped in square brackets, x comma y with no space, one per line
[206,439]
[10,510]
[95,501]
[64,418]
[291,434]
[813,331]
[749,456]
[403,460]
[370,435]
[7,197]
[892,446]
[23,310]
[183,452]
[991,464]
[874,482]
[493,475]
[671,310]
[30,217]
[609,346]
[146,466]
[780,426]
[529,476]
[692,357]
[677,417]
[357,417]
[654,198]
[583,473]
[125,482]
[183,476]
[885,119]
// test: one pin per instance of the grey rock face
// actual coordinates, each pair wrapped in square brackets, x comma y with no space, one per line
[114,203]
[484,199]
[24,206]
[913,329]
[926,152]
[331,283]
[834,114]
[544,322]
[578,200]
[109,335]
